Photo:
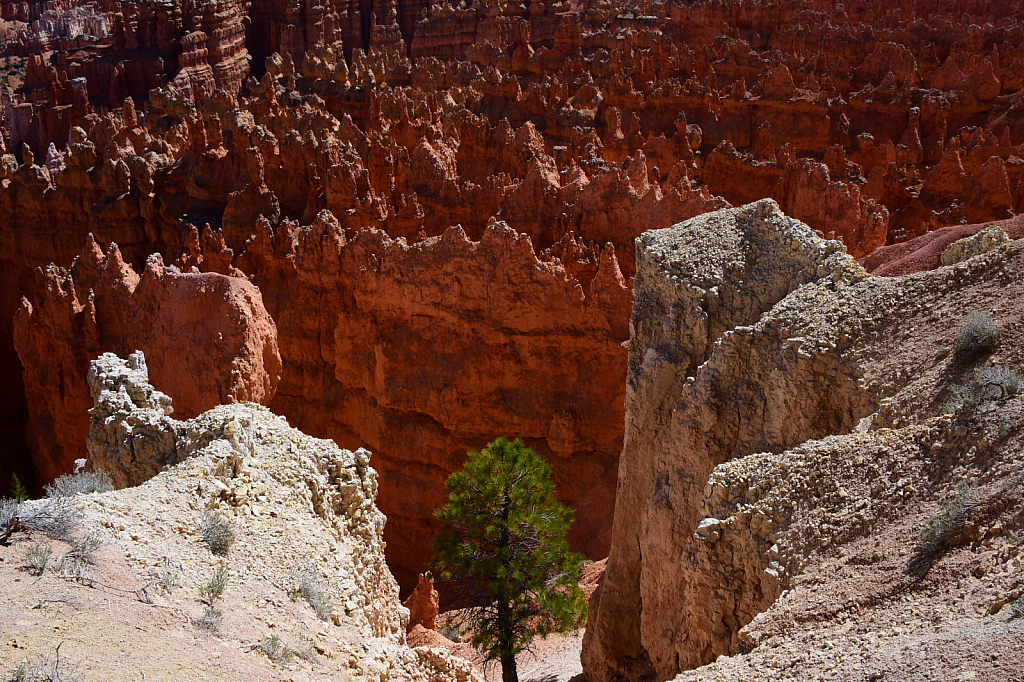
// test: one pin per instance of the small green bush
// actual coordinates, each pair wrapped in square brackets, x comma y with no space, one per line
[216,533]
[18,491]
[70,485]
[214,587]
[310,589]
[452,634]
[47,669]
[1017,608]
[37,557]
[306,650]
[977,335]
[210,620]
[21,672]
[167,581]
[950,519]
[276,650]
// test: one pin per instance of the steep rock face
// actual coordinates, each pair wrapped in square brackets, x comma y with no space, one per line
[706,380]
[296,505]
[423,352]
[751,335]
[813,553]
[806,546]
[215,326]
[578,125]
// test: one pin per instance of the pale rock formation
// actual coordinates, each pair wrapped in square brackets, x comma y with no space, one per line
[699,287]
[293,502]
[987,239]
[751,335]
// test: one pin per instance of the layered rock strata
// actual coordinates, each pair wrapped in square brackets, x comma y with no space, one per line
[749,334]
[424,352]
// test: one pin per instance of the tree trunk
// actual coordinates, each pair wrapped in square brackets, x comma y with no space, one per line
[505,624]
[508,669]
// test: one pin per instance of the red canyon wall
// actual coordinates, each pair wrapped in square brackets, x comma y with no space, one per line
[437,202]
[210,339]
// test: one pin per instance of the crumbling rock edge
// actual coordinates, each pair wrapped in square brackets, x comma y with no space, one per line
[751,341]
[294,503]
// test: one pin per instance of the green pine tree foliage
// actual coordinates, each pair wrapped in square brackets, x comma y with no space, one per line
[503,541]
[18,491]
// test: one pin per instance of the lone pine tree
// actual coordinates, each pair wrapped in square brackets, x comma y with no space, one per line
[503,544]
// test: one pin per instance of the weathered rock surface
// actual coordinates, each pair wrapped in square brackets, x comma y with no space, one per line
[751,335]
[986,239]
[814,539]
[578,125]
[423,604]
[208,338]
[294,503]
[925,252]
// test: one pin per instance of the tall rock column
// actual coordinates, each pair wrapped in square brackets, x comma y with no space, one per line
[705,383]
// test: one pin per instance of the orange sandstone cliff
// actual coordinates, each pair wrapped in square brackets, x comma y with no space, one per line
[438,202]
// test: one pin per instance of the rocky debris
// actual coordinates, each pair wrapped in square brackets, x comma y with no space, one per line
[215,326]
[986,239]
[925,252]
[423,604]
[753,341]
[591,576]
[825,528]
[293,502]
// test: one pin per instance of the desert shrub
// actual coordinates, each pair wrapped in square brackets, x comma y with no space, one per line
[977,335]
[216,533]
[276,650]
[310,589]
[8,509]
[1005,427]
[37,557]
[986,384]
[46,669]
[1017,608]
[214,587]
[1004,381]
[450,633]
[951,517]
[56,518]
[69,485]
[20,672]
[306,650]
[167,581]
[74,562]
[210,620]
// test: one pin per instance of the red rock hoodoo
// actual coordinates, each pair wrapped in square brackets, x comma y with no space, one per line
[437,202]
